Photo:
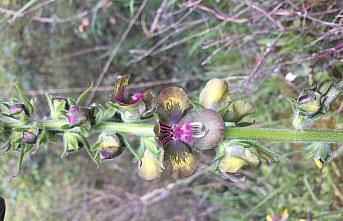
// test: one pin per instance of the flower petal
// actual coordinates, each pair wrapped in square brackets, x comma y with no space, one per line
[180,158]
[231,164]
[152,165]
[120,84]
[149,99]
[213,123]
[172,103]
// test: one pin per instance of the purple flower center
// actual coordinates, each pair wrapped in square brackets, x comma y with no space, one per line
[105,154]
[182,132]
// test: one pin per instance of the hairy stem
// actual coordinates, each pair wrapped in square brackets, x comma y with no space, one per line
[267,134]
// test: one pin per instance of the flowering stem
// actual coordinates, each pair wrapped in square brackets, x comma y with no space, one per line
[246,133]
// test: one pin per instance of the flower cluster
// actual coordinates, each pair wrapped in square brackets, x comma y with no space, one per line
[182,127]
[216,96]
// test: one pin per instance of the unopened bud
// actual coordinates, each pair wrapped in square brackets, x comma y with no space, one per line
[215,94]
[110,146]
[29,137]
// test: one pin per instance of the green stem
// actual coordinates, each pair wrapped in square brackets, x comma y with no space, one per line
[285,135]
[247,133]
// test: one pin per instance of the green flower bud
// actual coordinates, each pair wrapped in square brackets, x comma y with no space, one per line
[215,94]
[59,106]
[72,142]
[109,145]
[309,101]
[238,110]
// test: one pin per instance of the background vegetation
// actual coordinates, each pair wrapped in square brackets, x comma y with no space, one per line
[268,50]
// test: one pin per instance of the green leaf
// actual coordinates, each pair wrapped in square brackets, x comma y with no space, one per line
[48,98]
[41,138]
[27,103]
[84,95]
[100,114]
[4,145]
[20,160]
[51,136]
[84,140]
[245,124]
[129,146]
[71,101]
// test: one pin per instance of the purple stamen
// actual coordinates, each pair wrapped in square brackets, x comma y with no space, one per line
[181,132]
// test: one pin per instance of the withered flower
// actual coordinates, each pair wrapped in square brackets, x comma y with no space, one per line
[132,107]
[78,116]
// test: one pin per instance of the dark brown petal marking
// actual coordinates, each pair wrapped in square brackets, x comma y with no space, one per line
[172,103]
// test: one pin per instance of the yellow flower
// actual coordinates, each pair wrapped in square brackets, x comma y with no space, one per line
[151,166]
[235,157]
[215,94]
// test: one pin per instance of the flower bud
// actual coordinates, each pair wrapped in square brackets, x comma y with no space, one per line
[152,165]
[110,146]
[215,94]
[72,141]
[322,156]
[78,116]
[235,156]
[29,137]
[17,110]
[309,101]
[238,110]
[59,106]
